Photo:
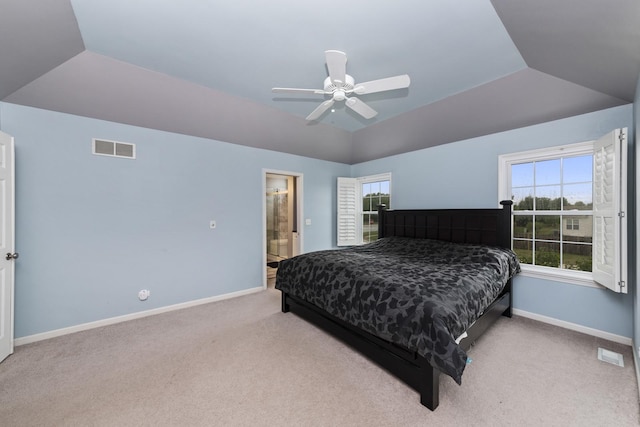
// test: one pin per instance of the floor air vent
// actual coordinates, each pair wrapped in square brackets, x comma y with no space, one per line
[610,357]
[102,147]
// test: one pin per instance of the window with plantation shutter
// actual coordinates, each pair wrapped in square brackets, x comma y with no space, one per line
[358,200]
[609,211]
[569,210]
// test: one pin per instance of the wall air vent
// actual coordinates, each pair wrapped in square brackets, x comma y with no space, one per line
[103,147]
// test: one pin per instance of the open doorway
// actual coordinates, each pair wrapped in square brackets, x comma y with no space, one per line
[282,212]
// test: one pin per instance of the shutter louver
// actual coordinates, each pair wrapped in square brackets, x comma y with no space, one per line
[347,211]
[609,207]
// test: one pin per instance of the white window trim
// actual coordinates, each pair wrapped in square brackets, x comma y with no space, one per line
[581,278]
[504,184]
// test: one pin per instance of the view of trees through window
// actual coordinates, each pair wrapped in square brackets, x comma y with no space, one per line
[553,212]
[543,240]
[373,194]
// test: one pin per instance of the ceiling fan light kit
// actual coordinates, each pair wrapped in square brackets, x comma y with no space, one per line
[339,85]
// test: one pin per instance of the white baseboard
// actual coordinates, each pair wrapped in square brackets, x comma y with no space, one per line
[138,315]
[575,327]
[113,320]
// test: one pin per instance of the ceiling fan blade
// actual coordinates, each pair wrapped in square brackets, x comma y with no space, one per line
[320,110]
[390,83]
[337,66]
[361,108]
[296,90]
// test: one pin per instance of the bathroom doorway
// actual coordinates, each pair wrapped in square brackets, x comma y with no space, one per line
[281,220]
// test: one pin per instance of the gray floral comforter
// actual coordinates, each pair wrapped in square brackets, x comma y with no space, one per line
[420,294]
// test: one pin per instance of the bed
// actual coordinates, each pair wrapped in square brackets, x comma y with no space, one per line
[415,300]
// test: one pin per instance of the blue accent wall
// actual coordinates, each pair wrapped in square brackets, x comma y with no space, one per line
[94,230]
[465,174]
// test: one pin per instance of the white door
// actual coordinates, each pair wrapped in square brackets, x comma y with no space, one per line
[7,254]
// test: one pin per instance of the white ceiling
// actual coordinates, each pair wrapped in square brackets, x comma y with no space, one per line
[206,68]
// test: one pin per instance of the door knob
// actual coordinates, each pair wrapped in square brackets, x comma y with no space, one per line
[11,256]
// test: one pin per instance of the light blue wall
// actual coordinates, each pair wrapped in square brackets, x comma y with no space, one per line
[92,230]
[465,174]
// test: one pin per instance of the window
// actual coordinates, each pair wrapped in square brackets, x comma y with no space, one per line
[565,225]
[547,193]
[358,200]
[573,224]
[374,193]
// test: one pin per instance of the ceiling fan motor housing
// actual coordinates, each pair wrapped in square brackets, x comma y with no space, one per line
[339,89]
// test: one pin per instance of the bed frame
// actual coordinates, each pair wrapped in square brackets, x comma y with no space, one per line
[479,226]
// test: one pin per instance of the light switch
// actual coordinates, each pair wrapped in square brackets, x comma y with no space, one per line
[212,224]
[307,221]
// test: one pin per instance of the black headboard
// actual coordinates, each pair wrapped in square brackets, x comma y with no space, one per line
[490,227]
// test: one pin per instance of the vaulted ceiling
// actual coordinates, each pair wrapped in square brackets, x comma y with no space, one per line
[206,68]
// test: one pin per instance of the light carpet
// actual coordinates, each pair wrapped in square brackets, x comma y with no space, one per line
[241,362]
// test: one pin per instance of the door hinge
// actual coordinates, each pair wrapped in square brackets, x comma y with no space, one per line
[622,136]
[622,284]
[621,214]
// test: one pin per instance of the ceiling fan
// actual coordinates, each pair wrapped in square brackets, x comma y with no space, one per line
[339,85]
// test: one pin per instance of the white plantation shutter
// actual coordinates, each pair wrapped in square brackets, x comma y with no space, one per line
[348,198]
[609,211]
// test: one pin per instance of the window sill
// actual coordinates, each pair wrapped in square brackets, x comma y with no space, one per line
[579,278]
